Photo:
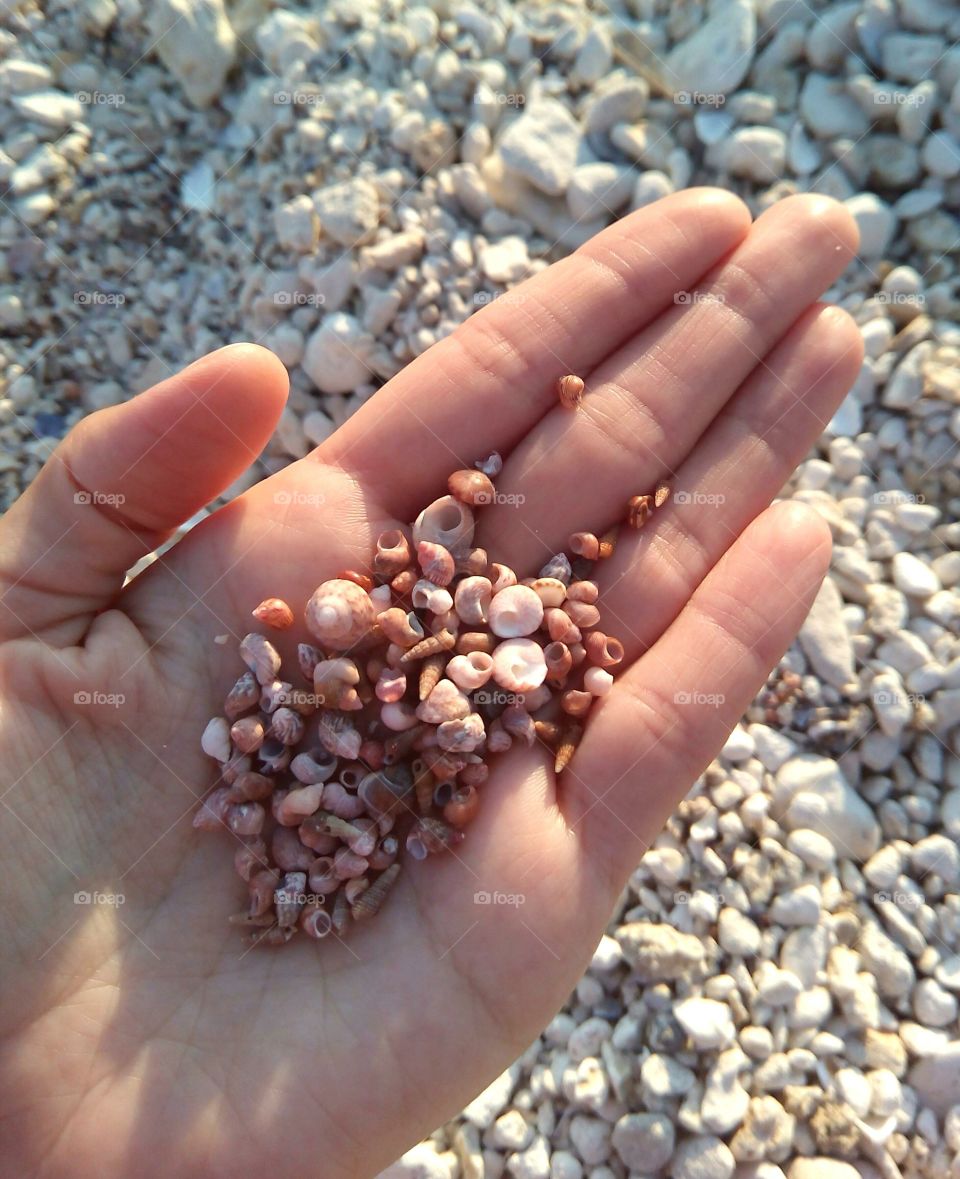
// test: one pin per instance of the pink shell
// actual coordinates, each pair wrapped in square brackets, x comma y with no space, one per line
[470,672]
[261,656]
[446,521]
[398,716]
[519,665]
[498,739]
[550,590]
[501,576]
[472,598]
[537,698]
[391,685]
[338,736]
[339,614]
[445,702]
[461,736]
[515,611]
[298,804]
[436,562]
[393,553]
[340,802]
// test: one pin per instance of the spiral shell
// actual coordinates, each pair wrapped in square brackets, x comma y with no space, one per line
[251,787]
[461,736]
[445,702]
[215,739]
[368,904]
[475,640]
[274,694]
[339,614]
[242,696]
[287,726]
[385,792]
[247,733]
[515,611]
[560,626]
[603,650]
[576,703]
[567,746]
[436,562]
[274,612]
[212,813]
[427,596]
[584,614]
[518,723]
[398,716]
[431,671]
[446,521]
[444,641]
[338,736]
[498,739]
[313,766]
[559,662]
[639,508]
[471,487]
[584,544]
[334,682]
[597,681]
[570,391]
[261,656]
[583,591]
[393,553]
[249,858]
[559,567]
[472,599]
[429,836]
[471,671]
[400,627]
[462,807]
[315,921]
[501,576]
[519,665]
[391,685]
[308,657]
[298,804]
[471,562]
[491,466]
[549,590]
[385,853]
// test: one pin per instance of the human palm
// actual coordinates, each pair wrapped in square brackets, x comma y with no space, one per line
[144,1037]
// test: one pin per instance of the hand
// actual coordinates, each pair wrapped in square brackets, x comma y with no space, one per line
[141,1038]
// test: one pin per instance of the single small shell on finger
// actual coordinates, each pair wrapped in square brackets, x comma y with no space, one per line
[274,612]
[394,553]
[570,391]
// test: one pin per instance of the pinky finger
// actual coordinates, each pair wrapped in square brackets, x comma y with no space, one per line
[670,713]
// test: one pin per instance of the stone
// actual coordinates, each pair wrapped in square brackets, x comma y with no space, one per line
[703,1157]
[486,1106]
[505,261]
[599,190]
[822,1168]
[891,704]
[932,1005]
[936,854]
[725,1101]
[910,57]
[49,107]
[659,952]
[798,906]
[196,43]
[940,155]
[814,849]
[644,1141]
[625,101]
[716,58]
[542,146]
[758,153]
[737,934]
[707,1022]
[936,1079]
[662,1076]
[607,956]
[771,748]
[532,1163]
[914,577]
[876,222]
[594,56]
[297,225]
[198,188]
[811,792]
[767,1132]
[511,1131]
[886,961]
[591,1139]
[829,111]
[336,355]
[825,639]
[349,212]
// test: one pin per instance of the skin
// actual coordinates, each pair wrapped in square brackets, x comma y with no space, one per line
[142,1038]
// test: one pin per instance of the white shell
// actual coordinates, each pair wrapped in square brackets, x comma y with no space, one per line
[472,599]
[446,521]
[428,596]
[445,702]
[597,681]
[472,671]
[215,741]
[515,611]
[398,716]
[519,665]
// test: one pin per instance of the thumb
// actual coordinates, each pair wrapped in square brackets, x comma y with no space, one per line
[123,479]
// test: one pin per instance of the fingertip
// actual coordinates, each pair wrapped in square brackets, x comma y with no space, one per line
[800,533]
[823,215]
[247,369]
[720,204]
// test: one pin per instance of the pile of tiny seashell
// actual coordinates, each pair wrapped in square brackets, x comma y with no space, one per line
[420,669]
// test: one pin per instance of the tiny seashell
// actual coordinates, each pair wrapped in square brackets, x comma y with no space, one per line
[514,612]
[597,681]
[639,508]
[308,656]
[431,671]
[461,736]
[247,733]
[366,841]
[472,563]
[347,864]
[491,466]
[471,487]
[385,853]
[501,576]
[341,913]
[287,850]
[584,544]
[290,898]
[250,858]
[462,807]
[399,716]
[559,567]
[274,694]
[548,732]
[382,597]
[436,562]
[661,493]
[260,890]
[398,626]
[446,521]
[423,784]
[449,621]
[368,904]
[261,656]
[394,553]
[519,665]
[391,685]
[583,613]
[583,591]
[444,765]
[475,640]
[246,818]
[402,585]
[275,935]
[371,754]
[445,702]
[334,683]
[238,763]
[608,542]
[575,702]
[427,596]
[339,614]
[287,726]
[242,696]
[212,814]
[567,747]
[518,723]
[537,698]
[603,650]
[570,391]
[472,599]
[316,922]
[323,880]
[215,740]
[274,612]
[298,804]
[251,787]
[354,888]
[444,641]
[559,662]
[398,745]
[341,802]
[429,836]
[338,736]
[471,671]
[320,842]
[498,739]
[363,580]
[301,701]
[578,653]
[385,792]
[550,590]
[313,767]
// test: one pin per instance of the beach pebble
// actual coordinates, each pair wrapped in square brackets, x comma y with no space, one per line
[816,796]
[703,1157]
[644,1141]
[542,145]
[707,1022]
[196,43]
[349,212]
[658,952]
[875,221]
[825,639]
[335,357]
[715,58]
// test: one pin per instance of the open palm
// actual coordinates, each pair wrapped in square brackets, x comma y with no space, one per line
[142,1038]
